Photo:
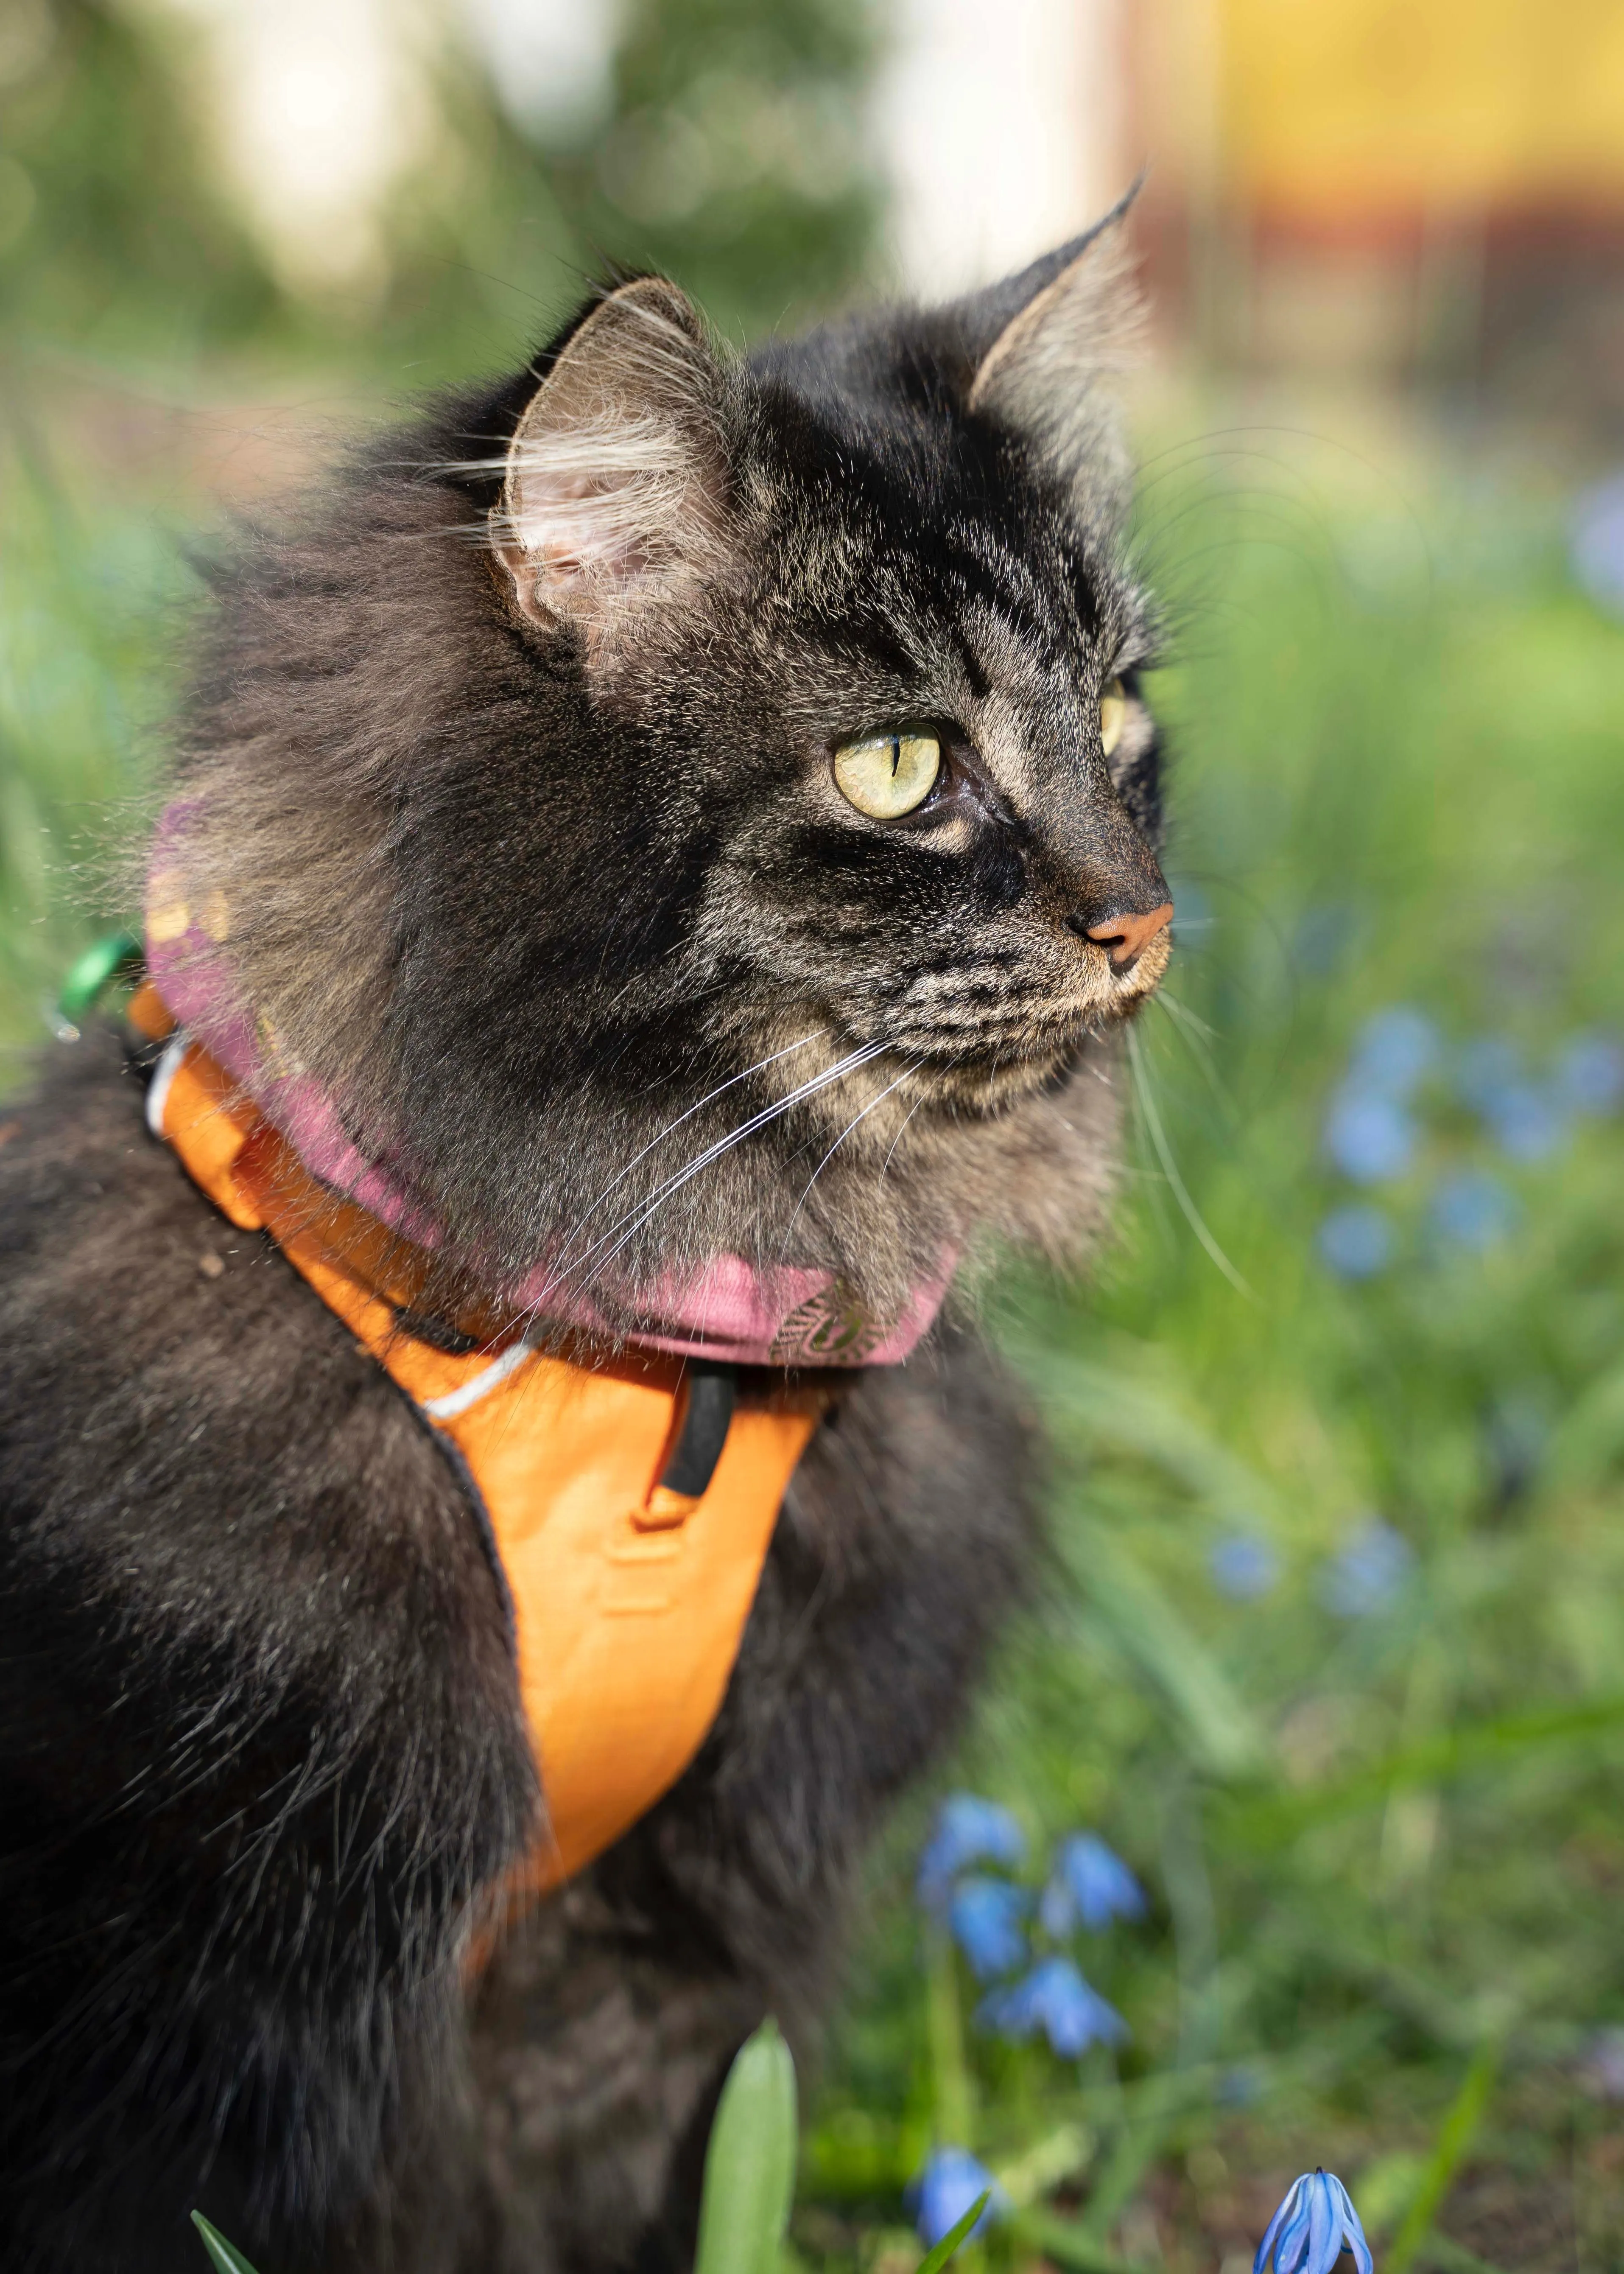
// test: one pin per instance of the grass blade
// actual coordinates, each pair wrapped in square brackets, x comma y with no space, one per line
[937,2257]
[1456,2135]
[950,2071]
[226,2257]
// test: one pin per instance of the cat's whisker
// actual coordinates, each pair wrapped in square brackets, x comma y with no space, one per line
[714,1152]
[636,1217]
[603,1253]
[890,1149]
[1169,1166]
[660,1136]
[1194,1034]
[1185,1015]
[912,1068]
[721,1144]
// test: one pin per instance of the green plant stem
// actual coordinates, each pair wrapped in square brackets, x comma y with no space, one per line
[953,2091]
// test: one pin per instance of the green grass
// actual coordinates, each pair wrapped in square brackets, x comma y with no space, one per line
[1385,1853]
[88,602]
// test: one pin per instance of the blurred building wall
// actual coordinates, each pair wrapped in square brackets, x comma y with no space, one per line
[1393,189]
[1392,108]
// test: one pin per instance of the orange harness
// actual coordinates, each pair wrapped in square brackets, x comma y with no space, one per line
[630,1506]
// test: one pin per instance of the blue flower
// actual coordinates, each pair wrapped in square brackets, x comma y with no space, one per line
[1527,1122]
[987,1919]
[969,1830]
[1054,1997]
[1370,1136]
[1473,1209]
[1243,1568]
[1089,1881]
[1484,1067]
[1394,1051]
[1356,1241]
[1312,2228]
[945,2190]
[1368,1571]
[1589,1075]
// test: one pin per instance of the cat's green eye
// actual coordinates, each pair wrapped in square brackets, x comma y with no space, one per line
[1113,714]
[886,775]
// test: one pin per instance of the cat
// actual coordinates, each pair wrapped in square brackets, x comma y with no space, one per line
[673,814]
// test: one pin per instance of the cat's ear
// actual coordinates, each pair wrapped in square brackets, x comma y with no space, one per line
[1045,343]
[616,476]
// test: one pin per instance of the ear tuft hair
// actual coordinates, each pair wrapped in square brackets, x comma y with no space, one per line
[616,477]
[1049,340]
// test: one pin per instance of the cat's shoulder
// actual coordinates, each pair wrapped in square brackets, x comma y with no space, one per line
[182,1416]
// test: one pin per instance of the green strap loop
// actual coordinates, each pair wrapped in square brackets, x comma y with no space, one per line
[116,955]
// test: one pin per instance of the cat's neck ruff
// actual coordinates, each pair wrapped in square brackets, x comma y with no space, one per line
[786,1315]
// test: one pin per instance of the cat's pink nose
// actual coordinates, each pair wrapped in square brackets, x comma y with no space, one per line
[1127,936]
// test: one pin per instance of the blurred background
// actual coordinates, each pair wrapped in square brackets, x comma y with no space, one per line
[1333,1660]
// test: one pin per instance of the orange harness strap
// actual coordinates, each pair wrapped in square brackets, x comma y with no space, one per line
[629,1600]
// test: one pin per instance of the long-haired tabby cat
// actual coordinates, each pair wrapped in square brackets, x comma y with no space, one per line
[667,842]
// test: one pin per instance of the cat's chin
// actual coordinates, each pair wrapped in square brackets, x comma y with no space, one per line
[996,1086]
[988,1083]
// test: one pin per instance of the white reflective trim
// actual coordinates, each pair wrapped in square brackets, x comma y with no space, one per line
[458,1401]
[164,1074]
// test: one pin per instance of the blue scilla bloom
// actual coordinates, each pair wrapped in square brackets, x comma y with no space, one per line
[987,1918]
[1054,1997]
[1484,1067]
[1245,1568]
[1589,1075]
[1368,1135]
[1528,1123]
[1473,1209]
[1089,1881]
[1393,1050]
[1313,2226]
[945,2190]
[1356,1241]
[1367,1573]
[968,1830]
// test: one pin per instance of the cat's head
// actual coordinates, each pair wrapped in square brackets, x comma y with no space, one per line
[781,735]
